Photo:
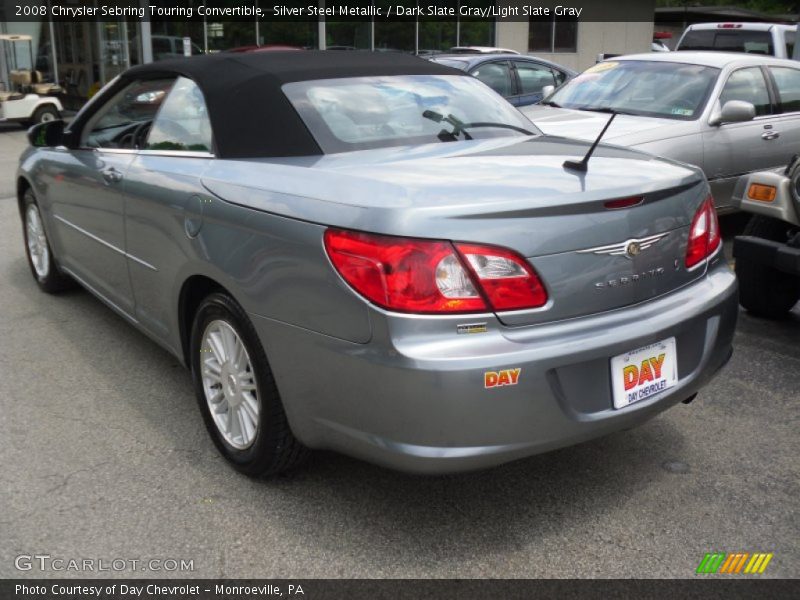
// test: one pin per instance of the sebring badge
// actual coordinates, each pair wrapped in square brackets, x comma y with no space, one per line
[628,248]
[628,279]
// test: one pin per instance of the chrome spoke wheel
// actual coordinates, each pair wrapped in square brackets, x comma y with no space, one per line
[229,384]
[37,241]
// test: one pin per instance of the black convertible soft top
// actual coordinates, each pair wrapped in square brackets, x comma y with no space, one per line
[250,115]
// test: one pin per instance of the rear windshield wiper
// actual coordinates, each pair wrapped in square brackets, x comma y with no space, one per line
[460,127]
[444,135]
[500,125]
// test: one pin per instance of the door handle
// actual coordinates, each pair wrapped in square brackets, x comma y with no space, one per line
[770,135]
[112,175]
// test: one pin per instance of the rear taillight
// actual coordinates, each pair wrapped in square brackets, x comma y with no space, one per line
[704,234]
[429,276]
[505,277]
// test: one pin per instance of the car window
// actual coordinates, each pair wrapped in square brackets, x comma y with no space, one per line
[119,121]
[496,75]
[182,124]
[788,82]
[727,40]
[359,113]
[747,85]
[560,76]
[533,77]
[790,37]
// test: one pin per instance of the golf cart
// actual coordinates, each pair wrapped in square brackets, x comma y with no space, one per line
[768,254]
[24,96]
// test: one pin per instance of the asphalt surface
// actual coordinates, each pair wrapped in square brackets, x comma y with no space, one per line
[104,456]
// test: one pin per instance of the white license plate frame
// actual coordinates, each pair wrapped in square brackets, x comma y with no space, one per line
[643,373]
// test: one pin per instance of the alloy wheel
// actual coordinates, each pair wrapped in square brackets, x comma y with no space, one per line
[229,384]
[37,242]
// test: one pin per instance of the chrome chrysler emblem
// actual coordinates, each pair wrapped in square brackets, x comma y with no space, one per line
[633,249]
[628,248]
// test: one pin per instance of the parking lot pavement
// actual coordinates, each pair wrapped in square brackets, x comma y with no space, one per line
[104,455]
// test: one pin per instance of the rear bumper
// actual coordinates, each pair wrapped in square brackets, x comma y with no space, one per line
[413,398]
[768,253]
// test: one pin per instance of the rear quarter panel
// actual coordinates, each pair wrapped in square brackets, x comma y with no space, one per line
[277,268]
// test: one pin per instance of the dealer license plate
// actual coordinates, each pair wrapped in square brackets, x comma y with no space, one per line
[643,373]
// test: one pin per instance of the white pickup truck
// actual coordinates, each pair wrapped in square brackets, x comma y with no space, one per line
[755,38]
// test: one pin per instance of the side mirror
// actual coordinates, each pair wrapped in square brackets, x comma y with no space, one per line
[734,111]
[547,90]
[47,135]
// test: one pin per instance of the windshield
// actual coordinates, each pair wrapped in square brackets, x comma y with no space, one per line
[656,89]
[377,112]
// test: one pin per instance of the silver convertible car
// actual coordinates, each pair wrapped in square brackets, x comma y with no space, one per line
[379,255]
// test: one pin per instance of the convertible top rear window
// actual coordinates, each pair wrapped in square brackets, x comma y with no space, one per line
[359,113]
[249,113]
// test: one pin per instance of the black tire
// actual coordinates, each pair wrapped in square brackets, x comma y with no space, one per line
[52,279]
[764,291]
[274,449]
[41,114]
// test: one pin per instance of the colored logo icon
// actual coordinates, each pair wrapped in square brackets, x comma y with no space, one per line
[734,563]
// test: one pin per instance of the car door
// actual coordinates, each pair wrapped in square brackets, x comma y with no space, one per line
[164,204]
[88,204]
[497,75]
[786,82]
[732,149]
[531,80]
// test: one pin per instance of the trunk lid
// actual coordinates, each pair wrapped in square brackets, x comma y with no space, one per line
[512,194]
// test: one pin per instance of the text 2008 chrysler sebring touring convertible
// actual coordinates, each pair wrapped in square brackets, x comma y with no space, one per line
[378,255]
